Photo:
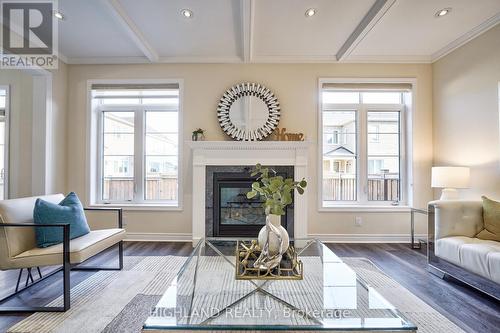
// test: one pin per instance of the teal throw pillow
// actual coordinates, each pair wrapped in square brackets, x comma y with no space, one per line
[69,210]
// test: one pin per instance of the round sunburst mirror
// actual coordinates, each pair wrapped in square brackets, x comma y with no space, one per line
[248,112]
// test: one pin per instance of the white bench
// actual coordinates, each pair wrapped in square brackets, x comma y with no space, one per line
[18,246]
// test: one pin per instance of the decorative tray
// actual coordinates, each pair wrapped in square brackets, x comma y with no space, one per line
[290,268]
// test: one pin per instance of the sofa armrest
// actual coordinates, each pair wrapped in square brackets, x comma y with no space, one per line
[66,239]
[118,210]
[455,218]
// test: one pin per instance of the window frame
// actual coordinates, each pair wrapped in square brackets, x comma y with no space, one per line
[95,126]
[405,167]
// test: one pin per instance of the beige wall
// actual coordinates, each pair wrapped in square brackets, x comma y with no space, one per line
[21,109]
[296,87]
[466,112]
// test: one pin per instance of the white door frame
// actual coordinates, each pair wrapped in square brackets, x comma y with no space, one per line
[6,141]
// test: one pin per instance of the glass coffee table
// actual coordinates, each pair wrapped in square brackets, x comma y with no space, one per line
[205,295]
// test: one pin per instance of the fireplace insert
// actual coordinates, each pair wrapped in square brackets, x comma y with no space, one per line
[233,214]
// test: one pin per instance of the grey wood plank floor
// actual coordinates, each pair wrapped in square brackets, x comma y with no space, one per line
[466,307]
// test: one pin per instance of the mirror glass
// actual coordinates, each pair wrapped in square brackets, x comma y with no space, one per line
[248,113]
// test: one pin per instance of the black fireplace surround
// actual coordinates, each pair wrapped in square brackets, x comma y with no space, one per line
[228,212]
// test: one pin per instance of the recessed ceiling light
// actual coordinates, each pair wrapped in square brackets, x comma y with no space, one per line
[59,15]
[187,13]
[443,12]
[310,12]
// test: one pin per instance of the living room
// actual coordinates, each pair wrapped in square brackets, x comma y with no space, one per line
[250,165]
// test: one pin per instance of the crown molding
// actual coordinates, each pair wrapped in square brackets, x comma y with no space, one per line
[144,60]
[62,57]
[107,60]
[467,37]
[389,59]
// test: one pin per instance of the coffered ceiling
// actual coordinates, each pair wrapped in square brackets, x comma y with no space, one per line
[236,31]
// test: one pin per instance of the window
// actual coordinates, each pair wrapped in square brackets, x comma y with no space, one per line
[340,182]
[332,138]
[138,145]
[363,145]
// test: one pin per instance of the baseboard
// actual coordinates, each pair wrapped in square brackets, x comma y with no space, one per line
[158,237]
[327,238]
[366,238]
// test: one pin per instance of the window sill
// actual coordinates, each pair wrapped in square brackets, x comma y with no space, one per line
[364,209]
[139,207]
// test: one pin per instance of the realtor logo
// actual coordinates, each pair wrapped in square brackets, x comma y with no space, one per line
[29,38]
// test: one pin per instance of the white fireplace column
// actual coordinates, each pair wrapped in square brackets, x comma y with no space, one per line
[293,153]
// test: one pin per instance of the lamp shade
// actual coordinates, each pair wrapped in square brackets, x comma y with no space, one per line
[450,177]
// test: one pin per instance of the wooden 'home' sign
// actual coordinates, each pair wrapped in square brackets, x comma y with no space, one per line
[282,135]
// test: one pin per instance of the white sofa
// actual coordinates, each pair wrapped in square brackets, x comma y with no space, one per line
[454,248]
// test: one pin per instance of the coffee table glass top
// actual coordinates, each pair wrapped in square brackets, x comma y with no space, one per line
[205,295]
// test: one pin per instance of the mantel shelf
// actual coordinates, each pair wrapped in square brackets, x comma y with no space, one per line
[248,145]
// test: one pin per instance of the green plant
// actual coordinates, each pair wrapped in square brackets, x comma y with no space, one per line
[198,131]
[275,190]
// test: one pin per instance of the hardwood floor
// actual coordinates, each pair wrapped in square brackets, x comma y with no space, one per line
[466,307]
[469,309]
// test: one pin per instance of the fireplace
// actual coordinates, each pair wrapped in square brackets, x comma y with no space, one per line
[228,211]
[209,157]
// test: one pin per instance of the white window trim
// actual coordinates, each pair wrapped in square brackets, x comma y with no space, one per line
[6,142]
[406,149]
[93,153]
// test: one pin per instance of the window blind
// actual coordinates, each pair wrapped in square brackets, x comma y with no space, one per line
[367,86]
[134,91]
[127,86]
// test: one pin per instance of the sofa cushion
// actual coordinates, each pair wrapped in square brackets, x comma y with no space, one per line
[491,217]
[69,210]
[81,249]
[494,266]
[474,254]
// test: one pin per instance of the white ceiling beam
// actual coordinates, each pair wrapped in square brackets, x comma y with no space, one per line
[247,23]
[376,12]
[132,30]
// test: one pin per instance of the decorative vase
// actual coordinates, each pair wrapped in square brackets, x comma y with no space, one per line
[273,242]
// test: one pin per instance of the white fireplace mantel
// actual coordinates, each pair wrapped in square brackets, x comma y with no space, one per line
[293,153]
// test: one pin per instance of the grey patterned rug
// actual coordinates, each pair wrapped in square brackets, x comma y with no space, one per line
[120,301]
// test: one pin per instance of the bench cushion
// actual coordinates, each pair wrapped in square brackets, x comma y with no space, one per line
[81,248]
[14,240]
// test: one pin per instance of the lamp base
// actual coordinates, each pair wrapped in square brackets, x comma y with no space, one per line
[449,194]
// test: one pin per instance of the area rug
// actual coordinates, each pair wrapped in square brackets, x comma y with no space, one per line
[121,301]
